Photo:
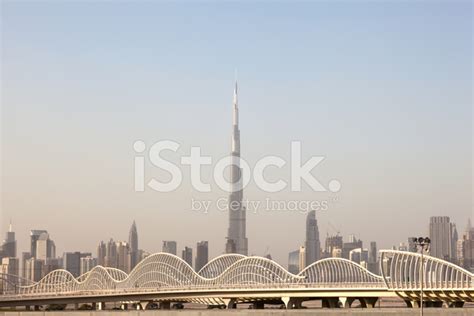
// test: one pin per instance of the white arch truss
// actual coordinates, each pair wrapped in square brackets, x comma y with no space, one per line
[442,280]
[166,272]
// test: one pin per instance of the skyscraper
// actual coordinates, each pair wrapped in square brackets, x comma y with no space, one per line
[87,263]
[202,255]
[465,248]
[294,261]
[45,247]
[332,243]
[10,268]
[111,259]
[9,244]
[34,235]
[312,245]
[72,262]
[169,246]
[441,235]
[352,244]
[187,255]
[372,265]
[133,242]
[101,254]
[123,256]
[236,235]
[302,258]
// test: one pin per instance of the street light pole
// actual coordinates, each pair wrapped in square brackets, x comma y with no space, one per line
[423,244]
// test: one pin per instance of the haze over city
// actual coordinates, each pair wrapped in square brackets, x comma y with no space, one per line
[382,90]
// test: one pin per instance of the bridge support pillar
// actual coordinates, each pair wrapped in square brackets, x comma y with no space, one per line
[124,306]
[76,306]
[165,305]
[37,308]
[259,305]
[291,302]
[330,302]
[94,306]
[230,303]
[346,302]
[456,304]
[409,303]
[28,307]
[368,302]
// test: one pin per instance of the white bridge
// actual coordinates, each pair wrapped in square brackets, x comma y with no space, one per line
[232,279]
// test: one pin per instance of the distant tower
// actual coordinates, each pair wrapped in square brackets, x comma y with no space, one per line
[169,246]
[441,235]
[34,235]
[312,245]
[101,254]
[302,258]
[9,244]
[454,241]
[236,236]
[133,242]
[187,255]
[202,255]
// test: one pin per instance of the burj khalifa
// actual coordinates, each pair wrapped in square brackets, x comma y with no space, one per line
[236,235]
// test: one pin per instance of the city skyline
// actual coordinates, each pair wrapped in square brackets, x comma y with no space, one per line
[379,116]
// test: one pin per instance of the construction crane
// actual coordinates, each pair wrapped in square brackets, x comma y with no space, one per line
[334,228]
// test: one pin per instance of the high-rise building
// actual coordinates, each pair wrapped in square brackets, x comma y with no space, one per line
[465,248]
[142,254]
[34,269]
[312,245]
[170,246]
[302,258]
[412,245]
[101,254]
[331,243]
[441,235]
[87,263]
[51,264]
[359,256]
[114,255]
[236,235]
[454,241]
[45,247]
[10,268]
[353,243]
[24,257]
[294,262]
[372,263]
[72,262]
[187,255]
[111,259]
[202,255]
[133,242]
[123,256]
[9,244]
[34,235]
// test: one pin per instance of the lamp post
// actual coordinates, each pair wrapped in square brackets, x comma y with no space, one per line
[423,243]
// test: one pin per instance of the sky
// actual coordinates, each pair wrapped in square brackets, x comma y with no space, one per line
[381,89]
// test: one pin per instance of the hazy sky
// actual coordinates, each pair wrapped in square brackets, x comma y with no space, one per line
[382,89]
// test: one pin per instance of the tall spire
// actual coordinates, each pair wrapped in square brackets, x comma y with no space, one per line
[236,235]
[235,112]
[10,227]
[133,242]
